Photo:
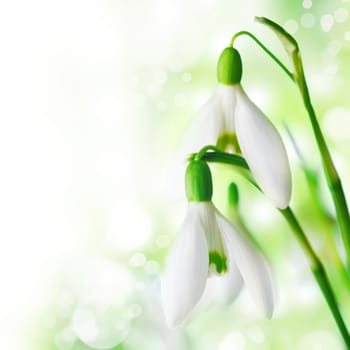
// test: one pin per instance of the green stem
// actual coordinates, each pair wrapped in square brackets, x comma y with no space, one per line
[226,158]
[329,221]
[204,150]
[319,272]
[250,35]
[332,176]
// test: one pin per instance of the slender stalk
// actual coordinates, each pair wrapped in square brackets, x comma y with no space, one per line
[250,35]
[329,221]
[222,157]
[204,150]
[319,273]
[332,176]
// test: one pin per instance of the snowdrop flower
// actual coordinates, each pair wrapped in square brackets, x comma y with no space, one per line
[208,246]
[230,118]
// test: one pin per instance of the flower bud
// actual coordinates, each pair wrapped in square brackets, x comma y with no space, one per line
[198,182]
[229,68]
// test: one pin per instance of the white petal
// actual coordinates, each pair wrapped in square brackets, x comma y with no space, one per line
[206,212]
[228,104]
[223,289]
[186,271]
[264,151]
[251,264]
[204,130]
[208,122]
[220,289]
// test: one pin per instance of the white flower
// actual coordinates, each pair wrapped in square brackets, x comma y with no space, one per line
[261,145]
[208,246]
[230,116]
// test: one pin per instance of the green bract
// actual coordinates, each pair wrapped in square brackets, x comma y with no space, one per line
[229,68]
[198,182]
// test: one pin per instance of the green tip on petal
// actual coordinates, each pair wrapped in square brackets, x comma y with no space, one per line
[218,261]
[233,195]
[229,68]
[198,182]
[226,140]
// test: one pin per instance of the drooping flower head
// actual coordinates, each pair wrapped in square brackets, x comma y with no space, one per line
[233,122]
[208,246]
[259,141]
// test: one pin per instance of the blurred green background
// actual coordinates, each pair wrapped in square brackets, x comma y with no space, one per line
[96,98]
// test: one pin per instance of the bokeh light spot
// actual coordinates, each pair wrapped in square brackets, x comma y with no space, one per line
[341,14]
[138,259]
[308,20]
[291,26]
[334,47]
[85,326]
[233,340]
[307,4]
[97,329]
[327,22]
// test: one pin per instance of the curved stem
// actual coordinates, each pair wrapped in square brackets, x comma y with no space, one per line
[329,221]
[230,159]
[332,176]
[319,272]
[226,158]
[250,35]
[204,150]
